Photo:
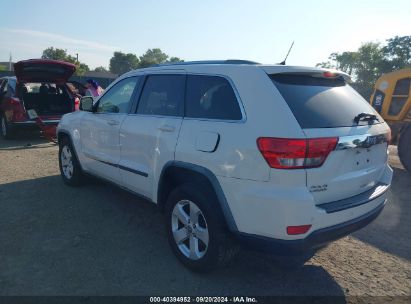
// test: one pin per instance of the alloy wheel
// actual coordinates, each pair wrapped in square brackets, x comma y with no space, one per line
[190,230]
[66,158]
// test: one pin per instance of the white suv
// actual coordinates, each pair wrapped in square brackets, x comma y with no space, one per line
[278,157]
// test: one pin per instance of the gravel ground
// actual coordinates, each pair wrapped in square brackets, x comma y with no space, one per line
[100,240]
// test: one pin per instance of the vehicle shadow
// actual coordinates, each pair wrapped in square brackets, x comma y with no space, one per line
[390,231]
[100,240]
[25,140]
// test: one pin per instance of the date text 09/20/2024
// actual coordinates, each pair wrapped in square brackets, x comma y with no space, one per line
[203,300]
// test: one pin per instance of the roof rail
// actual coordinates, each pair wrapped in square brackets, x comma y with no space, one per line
[229,61]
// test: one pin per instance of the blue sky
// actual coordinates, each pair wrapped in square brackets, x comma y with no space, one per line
[196,30]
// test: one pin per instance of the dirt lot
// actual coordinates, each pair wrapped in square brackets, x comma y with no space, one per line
[99,240]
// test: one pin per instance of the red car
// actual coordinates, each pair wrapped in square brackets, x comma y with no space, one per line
[40,85]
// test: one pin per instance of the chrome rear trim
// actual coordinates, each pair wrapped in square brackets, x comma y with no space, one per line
[360,141]
[27,122]
[51,121]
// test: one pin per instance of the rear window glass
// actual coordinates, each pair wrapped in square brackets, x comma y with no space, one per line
[321,102]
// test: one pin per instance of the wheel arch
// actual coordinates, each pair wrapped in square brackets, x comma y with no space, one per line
[175,173]
[65,134]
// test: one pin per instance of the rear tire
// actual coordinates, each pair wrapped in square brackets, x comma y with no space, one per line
[404,148]
[70,168]
[6,130]
[196,229]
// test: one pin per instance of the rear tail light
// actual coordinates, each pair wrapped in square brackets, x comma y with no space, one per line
[285,153]
[15,101]
[76,104]
[18,110]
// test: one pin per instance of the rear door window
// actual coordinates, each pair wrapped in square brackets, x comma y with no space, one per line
[211,97]
[318,102]
[162,95]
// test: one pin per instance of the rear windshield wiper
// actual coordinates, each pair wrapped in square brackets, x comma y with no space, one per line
[365,117]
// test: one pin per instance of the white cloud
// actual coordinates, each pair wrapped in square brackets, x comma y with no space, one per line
[24,44]
[62,39]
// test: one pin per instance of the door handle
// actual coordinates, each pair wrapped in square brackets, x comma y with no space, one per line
[166,128]
[113,122]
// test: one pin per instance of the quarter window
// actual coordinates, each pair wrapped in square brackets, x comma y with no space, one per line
[118,98]
[162,95]
[211,97]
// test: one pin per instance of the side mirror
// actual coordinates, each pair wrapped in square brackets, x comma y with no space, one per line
[86,103]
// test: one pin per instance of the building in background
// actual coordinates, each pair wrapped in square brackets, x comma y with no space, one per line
[93,74]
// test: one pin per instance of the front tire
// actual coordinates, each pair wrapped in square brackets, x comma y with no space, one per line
[70,168]
[196,230]
[6,130]
[404,146]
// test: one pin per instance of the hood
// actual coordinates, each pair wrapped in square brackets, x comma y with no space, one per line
[43,70]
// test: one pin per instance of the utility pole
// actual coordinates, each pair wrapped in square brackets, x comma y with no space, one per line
[77,57]
[10,59]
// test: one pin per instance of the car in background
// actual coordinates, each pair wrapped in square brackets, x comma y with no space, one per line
[39,85]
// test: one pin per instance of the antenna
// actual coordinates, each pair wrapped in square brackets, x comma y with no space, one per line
[283,62]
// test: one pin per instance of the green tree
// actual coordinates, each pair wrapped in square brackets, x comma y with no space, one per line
[398,52]
[371,60]
[55,53]
[151,57]
[122,63]
[101,69]
[60,54]
[369,63]
[81,68]
[175,59]
[3,68]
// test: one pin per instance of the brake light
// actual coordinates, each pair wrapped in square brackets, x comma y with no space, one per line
[328,74]
[285,153]
[76,104]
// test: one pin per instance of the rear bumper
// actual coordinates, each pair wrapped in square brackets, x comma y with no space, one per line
[33,123]
[47,127]
[266,209]
[28,124]
[315,240]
